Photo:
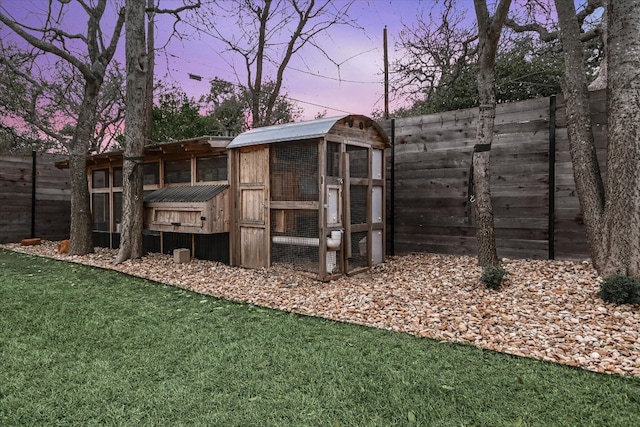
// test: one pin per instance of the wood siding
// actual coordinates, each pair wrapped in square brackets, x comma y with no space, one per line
[52,201]
[432,212]
[251,189]
[211,216]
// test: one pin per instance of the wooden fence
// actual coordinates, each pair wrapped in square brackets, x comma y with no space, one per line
[43,210]
[537,214]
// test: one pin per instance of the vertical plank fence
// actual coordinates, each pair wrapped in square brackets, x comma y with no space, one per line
[50,216]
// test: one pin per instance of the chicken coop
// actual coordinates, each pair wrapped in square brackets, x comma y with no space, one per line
[309,195]
[186,197]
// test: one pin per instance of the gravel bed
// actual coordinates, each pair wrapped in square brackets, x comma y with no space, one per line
[547,310]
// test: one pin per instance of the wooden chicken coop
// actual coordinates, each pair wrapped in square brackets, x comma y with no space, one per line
[310,195]
[186,197]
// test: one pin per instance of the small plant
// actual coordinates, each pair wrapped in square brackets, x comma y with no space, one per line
[493,276]
[620,290]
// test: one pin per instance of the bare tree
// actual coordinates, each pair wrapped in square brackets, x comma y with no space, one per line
[45,99]
[435,50]
[489,30]
[611,213]
[586,170]
[140,62]
[134,132]
[272,33]
[53,39]
[621,220]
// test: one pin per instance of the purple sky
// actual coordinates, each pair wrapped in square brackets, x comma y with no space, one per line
[356,86]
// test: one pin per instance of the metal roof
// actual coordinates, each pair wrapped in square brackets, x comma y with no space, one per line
[295,131]
[285,132]
[195,193]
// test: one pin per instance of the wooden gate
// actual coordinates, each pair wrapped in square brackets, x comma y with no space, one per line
[253,208]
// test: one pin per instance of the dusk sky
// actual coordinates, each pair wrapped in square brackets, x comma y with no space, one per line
[314,82]
[356,86]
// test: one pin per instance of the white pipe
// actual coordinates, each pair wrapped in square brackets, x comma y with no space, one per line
[334,241]
[292,240]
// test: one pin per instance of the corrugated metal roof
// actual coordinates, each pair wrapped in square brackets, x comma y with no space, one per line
[195,193]
[285,132]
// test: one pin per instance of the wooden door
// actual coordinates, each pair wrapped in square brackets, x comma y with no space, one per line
[253,207]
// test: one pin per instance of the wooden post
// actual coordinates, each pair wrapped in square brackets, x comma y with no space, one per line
[368,215]
[552,176]
[346,199]
[386,74]
[33,193]
[392,190]
[322,210]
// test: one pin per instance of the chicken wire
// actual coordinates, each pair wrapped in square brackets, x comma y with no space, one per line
[294,236]
[294,232]
[358,165]
[359,256]
[333,159]
[294,172]
[358,204]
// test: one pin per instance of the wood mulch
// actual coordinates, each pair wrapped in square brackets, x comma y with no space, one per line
[547,310]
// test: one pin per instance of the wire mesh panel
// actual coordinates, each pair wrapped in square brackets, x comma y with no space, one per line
[294,172]
[100,211]
[358,204]
[358,164]
[294,237]
[177,171]
[333,159]
[211,168]
[359,256]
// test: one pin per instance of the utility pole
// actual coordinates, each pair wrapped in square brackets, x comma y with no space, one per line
[386,74]
[150,67]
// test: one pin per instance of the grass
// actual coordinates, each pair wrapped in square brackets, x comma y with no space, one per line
[83,346]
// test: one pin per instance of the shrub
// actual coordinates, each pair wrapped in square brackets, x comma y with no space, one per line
[493,276]
[620,290]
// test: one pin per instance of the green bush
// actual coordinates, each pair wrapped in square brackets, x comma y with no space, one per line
[620,290]
[493,276]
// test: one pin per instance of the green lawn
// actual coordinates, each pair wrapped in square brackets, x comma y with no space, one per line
[83,346]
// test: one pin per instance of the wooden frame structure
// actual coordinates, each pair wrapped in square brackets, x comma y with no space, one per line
[186,196]
[309,194]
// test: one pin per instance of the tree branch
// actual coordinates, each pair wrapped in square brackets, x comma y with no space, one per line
[47,47]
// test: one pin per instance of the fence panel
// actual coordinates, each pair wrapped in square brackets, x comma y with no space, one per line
[52,210]
[431,210]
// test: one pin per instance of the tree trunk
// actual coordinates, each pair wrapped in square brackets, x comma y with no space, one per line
[489,30]
[586,171]
[81,241]
[151,52]
[485,230]
[257,118]
[621,224]
[132,167]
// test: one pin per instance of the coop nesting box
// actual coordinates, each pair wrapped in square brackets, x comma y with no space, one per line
[197,209]
[309,195]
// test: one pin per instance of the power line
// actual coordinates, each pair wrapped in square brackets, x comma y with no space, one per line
[237,85]
[337,79]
